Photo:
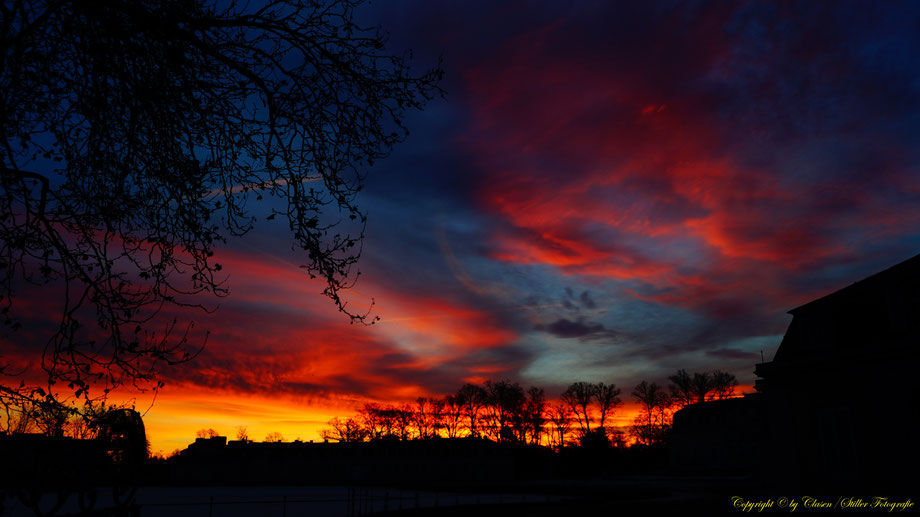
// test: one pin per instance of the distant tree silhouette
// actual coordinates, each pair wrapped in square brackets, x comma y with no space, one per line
[404,421]
[723,384]
[608,399]
[534,415]
[427,416]
[206,433]
[372,420]
[437,415]
[138,135]
[682,388]
[586,399]
[453,416]
[560,415]
[504,408]
[241,433]
[348,430]
[383,421]
[700,387]
[472,400]
[274,437]
[578,397]
[79,428]
[51,418]
[650,426]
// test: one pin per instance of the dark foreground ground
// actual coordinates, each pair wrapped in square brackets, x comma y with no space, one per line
[620,496]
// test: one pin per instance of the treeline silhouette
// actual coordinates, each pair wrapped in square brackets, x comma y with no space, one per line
[504,412]
[481,435]
[55,419]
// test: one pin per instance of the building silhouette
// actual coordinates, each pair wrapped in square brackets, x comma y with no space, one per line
[836,407]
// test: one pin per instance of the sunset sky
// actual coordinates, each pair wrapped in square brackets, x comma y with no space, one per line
[609,191]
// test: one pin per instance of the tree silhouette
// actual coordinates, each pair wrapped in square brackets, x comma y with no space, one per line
[578,397]
[587,400]
[138,135]
[453,416]
[534,415]
[650,425]
[504,408]
[206,433]
[403,421]
[428,414]
[274,437]
[348,430]
[700,387]
[472,399]
[242,434]
[608,400]
[384,421]
[561,417]
[723,384]
[682,389]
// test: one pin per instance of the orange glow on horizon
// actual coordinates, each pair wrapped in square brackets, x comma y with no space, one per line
[179,413]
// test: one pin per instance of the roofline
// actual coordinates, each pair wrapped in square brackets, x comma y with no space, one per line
[913,262]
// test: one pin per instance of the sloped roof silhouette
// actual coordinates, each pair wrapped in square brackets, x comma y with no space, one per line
[877,315]
[891,278]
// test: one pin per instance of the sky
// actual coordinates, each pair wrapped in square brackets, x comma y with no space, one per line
[607,192]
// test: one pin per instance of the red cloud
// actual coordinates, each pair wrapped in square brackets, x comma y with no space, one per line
[632,171]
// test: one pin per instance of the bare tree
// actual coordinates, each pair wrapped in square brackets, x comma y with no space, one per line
[453,416]
[560,415]
[687,389]
[578,397]
[420,418]
[701,387]
[723,384]
[346,431]
[534,415]
[608,399]
[650,425]
[437,415]
[504,409]
[472,398]
[207,433]
[242,434]
[51,418]
[427,416]
[403,421]
[274,437]
[681,386]
[137,136]
[372,420]
[79,428]
[387,421]
[590,402]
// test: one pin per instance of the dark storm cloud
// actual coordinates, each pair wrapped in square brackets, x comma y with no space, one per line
[565,328]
